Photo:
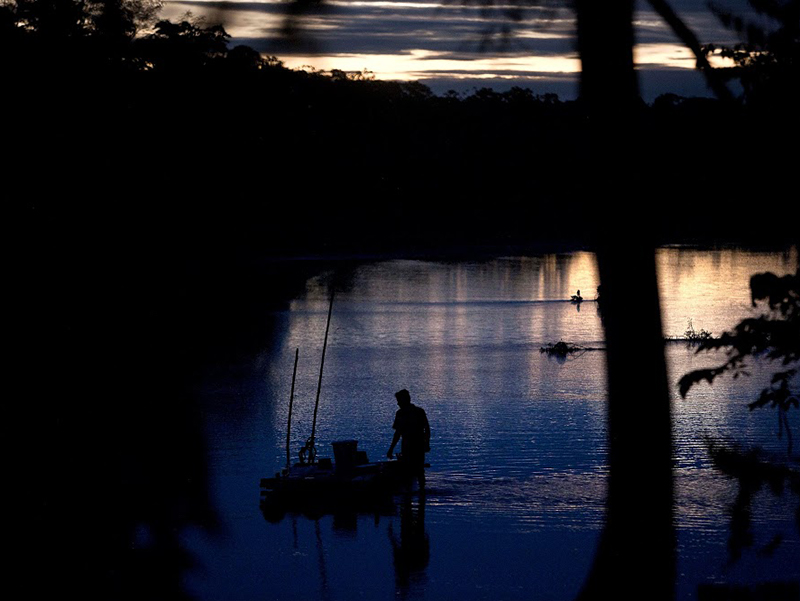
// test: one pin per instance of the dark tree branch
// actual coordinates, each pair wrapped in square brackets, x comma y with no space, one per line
[688,37]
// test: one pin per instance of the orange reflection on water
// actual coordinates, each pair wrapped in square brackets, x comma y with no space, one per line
[711,288]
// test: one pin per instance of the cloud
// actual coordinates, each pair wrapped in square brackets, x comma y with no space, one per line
[434,41]
[396,26]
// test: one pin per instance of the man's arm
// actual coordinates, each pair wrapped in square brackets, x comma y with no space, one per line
[395,440]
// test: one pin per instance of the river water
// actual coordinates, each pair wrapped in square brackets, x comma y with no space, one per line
[516,486]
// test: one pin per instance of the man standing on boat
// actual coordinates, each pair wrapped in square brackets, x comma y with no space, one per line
[411,424]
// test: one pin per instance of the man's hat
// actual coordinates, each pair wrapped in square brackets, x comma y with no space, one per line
[402,395]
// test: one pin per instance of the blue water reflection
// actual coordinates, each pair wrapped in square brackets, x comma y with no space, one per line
[517,478]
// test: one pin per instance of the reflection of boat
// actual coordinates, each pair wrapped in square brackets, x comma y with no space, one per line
[351,482]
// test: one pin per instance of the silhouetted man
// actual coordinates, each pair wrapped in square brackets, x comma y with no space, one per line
[411,424]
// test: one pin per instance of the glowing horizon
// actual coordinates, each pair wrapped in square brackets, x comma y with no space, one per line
[429,42]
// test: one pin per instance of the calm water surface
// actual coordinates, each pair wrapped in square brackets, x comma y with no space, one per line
[517,477]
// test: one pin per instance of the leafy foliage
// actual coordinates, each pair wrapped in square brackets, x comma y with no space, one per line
[767,59]
[774,336]
[71,18]
[754,472]
[183,46]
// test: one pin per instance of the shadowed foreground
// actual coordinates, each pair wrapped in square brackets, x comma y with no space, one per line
[153,190]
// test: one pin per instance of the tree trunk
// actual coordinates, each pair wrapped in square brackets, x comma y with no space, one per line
[636,553]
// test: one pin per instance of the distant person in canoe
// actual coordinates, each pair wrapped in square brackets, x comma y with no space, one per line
[411,425]
[576,298]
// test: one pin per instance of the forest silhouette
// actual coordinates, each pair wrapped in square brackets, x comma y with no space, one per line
[176,115]
[156,175]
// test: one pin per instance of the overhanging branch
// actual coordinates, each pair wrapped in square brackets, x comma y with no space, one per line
[688,37]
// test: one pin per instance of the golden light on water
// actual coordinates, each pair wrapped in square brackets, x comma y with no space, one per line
[583,274]
[693,283]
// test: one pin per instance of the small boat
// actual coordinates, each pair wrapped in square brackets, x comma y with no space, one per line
[325,486]
[576,298]
[319,486]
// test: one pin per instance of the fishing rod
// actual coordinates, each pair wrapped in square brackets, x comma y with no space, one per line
[291,402]
[309,451]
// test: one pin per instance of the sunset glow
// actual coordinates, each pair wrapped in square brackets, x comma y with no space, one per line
[419,64]
[674,56]
[442,44]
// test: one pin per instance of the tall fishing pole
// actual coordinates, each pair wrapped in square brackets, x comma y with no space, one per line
[291,402]
[310,449]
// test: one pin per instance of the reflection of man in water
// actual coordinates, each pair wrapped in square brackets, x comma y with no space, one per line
[411,424]
[411,550]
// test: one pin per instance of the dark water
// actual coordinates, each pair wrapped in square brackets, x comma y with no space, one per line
[517,477]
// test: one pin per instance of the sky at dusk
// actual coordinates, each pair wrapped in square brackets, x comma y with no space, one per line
[452,45]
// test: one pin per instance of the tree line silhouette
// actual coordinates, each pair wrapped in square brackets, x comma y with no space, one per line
[107,90]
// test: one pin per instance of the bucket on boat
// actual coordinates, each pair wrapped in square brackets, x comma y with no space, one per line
[345,453]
